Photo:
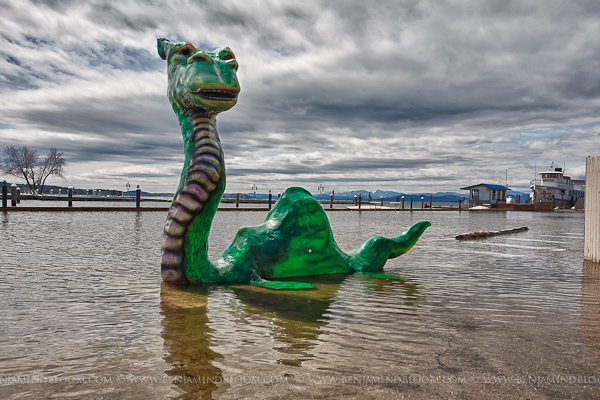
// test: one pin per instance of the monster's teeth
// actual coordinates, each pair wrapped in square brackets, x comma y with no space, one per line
[216,94]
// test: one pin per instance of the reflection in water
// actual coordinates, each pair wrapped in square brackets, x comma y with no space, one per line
[296,315]
[294,321]
[137,227]
[590,301]
[187,339]
[410,289]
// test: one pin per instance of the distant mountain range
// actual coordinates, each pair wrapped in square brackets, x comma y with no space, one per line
[440,197]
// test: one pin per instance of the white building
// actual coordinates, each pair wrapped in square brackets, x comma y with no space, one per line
[486,194]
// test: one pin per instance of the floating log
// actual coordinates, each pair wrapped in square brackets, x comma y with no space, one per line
[484,234]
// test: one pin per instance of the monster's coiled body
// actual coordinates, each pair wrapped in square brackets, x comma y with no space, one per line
[201,187]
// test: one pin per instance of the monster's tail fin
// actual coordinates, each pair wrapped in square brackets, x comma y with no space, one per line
[372,254]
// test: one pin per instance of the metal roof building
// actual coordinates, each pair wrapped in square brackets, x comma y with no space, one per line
[485,193]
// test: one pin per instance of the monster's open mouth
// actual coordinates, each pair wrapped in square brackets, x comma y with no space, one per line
[217,94]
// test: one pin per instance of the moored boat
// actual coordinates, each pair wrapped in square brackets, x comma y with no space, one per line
[557,188]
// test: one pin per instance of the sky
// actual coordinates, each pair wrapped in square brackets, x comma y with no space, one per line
[402,95]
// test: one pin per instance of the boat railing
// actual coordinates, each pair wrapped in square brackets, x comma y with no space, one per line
[558,185]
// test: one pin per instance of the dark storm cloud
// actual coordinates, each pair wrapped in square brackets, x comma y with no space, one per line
[343,165]
[438,89]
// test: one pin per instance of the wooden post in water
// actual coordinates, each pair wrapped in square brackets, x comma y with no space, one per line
[430,201]
[592,209]
[237,200]
[403,202]
[13,195]
[70,195]
[359,200]
[18,195]
[331,199]
[381,201]
[4,194]
[138,196]
[270,199]
[411,203]
[355,200]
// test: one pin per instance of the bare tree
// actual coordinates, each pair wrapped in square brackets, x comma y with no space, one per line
[25,162]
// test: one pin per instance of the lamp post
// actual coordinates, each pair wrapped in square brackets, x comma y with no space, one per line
[127,186]
[254,188]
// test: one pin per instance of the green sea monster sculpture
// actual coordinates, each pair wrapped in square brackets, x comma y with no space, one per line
[295,239]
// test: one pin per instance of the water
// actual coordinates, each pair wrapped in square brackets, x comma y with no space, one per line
[84,314]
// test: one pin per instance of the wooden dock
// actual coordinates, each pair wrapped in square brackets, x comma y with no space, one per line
[592,209]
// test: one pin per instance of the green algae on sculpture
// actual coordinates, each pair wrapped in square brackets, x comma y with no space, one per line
[295,239]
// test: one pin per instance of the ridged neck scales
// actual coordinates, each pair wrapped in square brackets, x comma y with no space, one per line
[202,184]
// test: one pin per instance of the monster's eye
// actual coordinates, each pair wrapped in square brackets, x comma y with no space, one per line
[228,57]
[184,51]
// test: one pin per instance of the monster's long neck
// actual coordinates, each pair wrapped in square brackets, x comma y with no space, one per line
[185,238]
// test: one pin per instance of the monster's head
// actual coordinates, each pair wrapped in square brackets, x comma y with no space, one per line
[198,79]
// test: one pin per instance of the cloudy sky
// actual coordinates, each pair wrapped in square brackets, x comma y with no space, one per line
[412,96]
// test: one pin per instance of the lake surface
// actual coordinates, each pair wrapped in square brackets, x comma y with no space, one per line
[85,315]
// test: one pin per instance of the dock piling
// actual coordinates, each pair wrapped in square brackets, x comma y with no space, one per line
[592,210]
[4,194]
[13,195]
[138,196]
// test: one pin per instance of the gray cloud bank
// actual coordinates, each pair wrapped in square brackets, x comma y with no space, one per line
[401,95]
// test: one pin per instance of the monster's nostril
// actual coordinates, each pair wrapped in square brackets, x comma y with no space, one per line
[199,57]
